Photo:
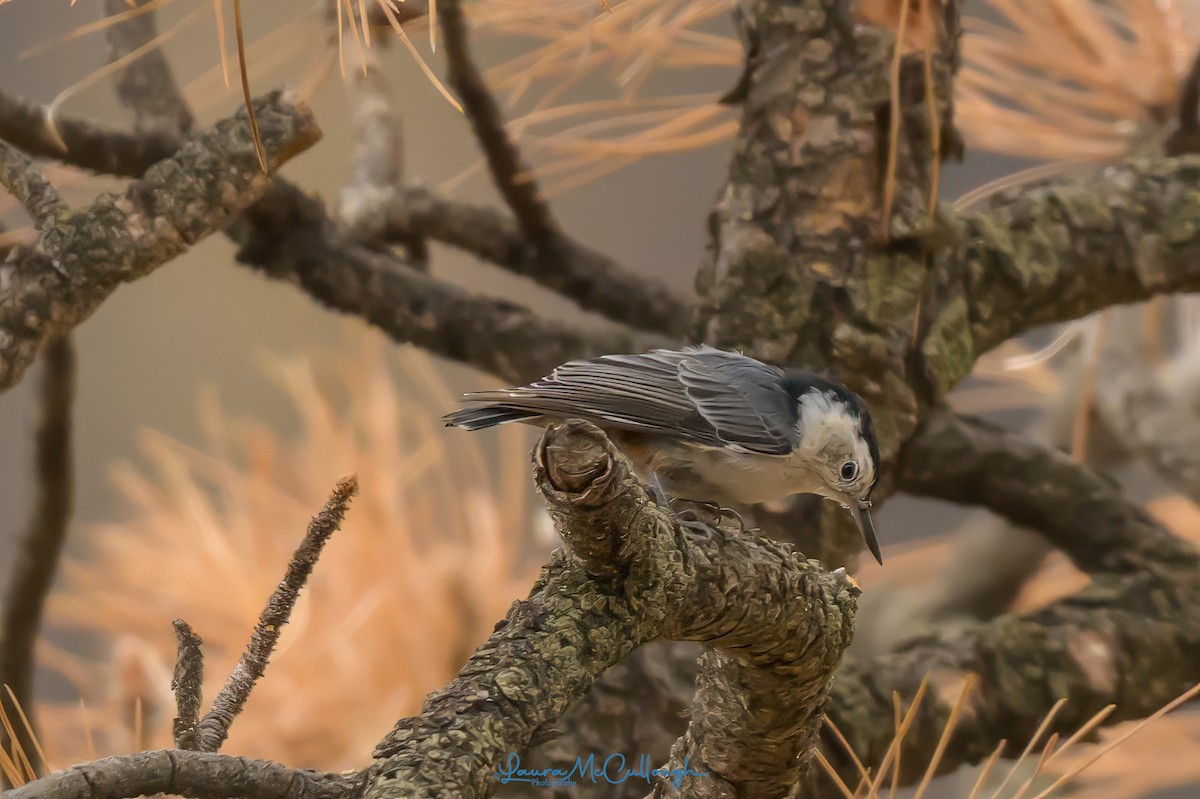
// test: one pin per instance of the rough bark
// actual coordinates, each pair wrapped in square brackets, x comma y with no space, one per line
[203,775]
[631,572]
[82,258]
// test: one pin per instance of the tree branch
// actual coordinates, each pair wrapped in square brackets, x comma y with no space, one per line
[1059,250]
[1082,513]
[631,573]
[546,253]
[587,276]
[290,237]
[89,145]
[36,559]
[26,183]
[512,176]
[202,775]
[1130,640]
[214,727]
[146,86]
[85,255]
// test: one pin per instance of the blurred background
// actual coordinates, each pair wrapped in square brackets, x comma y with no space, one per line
[216,408]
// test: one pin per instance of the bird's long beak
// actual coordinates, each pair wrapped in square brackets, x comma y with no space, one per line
[861,511]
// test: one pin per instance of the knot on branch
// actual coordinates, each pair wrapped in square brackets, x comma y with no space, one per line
[577,458]
[591,493]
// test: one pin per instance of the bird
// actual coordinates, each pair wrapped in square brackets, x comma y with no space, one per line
[708,425]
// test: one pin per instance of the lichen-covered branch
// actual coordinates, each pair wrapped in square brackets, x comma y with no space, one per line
[21,178]
[633,572]
[1131,639]
[187,682]
[203,775]
[1059,250]
[762,685]
[86,254]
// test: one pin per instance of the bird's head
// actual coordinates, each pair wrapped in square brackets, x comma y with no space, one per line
[837,441]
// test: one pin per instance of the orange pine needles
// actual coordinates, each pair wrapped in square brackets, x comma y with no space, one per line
[1074,79]
[436,549]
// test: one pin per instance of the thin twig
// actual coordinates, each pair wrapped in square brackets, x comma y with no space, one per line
[512,175]
[187,682]
[214,727]
[37,555]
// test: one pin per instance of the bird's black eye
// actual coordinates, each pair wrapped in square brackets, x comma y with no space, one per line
[849,470]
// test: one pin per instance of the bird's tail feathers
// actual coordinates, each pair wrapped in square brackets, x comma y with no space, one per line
[486,416]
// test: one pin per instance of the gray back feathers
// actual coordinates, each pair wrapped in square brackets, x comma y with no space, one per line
[700,394]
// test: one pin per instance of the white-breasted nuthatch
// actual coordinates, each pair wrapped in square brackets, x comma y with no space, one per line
[709,425]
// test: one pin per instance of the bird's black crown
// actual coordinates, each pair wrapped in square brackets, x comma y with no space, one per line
[797,384]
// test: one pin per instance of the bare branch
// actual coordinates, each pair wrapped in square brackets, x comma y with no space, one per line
[290,237]
[187,682]
[512,176]
[202,775]
[545,253]
[90,145]
[587,276]
[146,86]
[214,727]
[36,559]
[1082,513]
[85,255]
[379,209]
[633,572]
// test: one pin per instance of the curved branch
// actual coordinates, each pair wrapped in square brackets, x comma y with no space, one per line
[587,276]
[546,253]
[969,461]
[85,255]
[1129,640]
[634,572]
[290,237]
[202,775]
[1061,249]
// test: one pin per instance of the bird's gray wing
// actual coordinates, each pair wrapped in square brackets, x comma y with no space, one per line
[631,392]
[649,393]
[743,399]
